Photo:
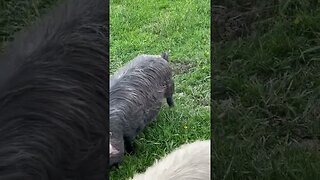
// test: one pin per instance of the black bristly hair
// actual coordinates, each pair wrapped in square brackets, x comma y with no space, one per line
[53,99]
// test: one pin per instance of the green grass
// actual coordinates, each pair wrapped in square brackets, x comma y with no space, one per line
[266,99]
[152,27]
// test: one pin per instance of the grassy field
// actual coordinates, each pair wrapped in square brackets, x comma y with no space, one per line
[266,96]
[183,28]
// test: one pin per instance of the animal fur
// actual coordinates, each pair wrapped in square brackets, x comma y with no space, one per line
[136,94]
[188,162]
[53,100]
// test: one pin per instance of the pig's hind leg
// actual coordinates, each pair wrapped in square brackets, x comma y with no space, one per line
[169,94]
[129,145]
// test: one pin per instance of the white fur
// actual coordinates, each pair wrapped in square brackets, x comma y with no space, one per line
[188,162]
[113,150]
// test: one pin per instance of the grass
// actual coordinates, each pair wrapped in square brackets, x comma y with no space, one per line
[183,28]
[266,98]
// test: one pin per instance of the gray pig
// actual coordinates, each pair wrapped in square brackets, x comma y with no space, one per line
[136,94]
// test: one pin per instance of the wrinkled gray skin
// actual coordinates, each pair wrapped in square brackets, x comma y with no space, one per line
[136,94]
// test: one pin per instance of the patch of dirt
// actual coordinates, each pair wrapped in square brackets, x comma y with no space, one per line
[234,19]
[181,67]
[312,144]
[204,102]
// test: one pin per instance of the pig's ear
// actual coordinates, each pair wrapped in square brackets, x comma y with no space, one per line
[165,56]
[112,150]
